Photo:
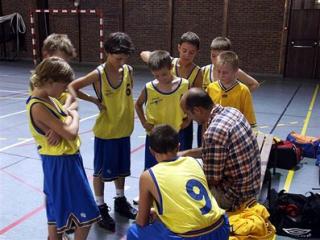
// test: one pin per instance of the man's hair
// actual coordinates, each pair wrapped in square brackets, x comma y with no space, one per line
[52,69]
[119,43]
[58,42]
[164,139]
[197,97]
[159,59]
[190,37]
[220,44]
[228,57]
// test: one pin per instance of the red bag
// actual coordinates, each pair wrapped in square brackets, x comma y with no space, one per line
[285,155]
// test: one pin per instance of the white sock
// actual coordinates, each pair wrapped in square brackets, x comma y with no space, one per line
[99,200]
[119,192]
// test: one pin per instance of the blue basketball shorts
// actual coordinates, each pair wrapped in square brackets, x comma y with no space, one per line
[112,158]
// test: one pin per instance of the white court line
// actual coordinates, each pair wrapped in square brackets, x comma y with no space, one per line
[15,98]
[12,91]
[30,139]
[84,119]
[16,144]
[12,114]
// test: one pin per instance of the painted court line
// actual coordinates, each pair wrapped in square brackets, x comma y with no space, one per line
[290,175]
[12,114]
[30,139]
[13,91]
[22,181]
[22,219]
[38,209]
[16,144]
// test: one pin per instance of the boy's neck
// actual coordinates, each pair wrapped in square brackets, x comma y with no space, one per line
[229,84]
[39,93]
[184,64]
[167,86]
[110,67]
[164,157]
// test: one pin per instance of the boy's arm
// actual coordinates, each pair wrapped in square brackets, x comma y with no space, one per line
[145,55]
[140,112]
[248,109]
[145,199]
[194,152]
[245,78]
[199,79]
[71,102]
[82,82]
[45,120]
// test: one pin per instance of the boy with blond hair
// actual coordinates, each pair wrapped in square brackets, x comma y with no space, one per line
[228,91]
[210,73]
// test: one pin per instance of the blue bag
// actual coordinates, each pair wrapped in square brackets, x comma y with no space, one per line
[309,145]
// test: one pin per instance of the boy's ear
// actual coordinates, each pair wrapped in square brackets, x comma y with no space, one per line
[45,54]
[152,152]
[171,66]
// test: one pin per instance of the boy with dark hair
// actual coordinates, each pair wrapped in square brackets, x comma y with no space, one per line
[162,99]
[185,197]
[184,67]
[112,82]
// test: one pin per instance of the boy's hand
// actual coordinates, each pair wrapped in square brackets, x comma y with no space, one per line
[185,123]
[153,215]
[99,105]
[147,126]
[52,137]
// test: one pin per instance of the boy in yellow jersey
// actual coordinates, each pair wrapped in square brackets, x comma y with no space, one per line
[69,200]
[210,73]
[162,99]
[59,45]
[175,200]
[185,67]
[228,91]
[112,82]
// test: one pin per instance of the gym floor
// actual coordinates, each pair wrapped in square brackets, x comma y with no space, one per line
[281,105]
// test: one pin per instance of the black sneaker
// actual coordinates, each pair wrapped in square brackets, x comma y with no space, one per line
[124,208]
[107,221]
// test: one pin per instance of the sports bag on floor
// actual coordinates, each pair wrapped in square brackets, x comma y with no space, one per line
[308,144]
[284,154]
[295,215]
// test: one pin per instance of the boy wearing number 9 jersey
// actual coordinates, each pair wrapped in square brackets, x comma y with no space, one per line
[175,201]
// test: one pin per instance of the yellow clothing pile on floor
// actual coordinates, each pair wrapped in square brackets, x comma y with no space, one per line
[251,222]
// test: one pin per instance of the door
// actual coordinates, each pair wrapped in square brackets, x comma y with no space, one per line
[303,54]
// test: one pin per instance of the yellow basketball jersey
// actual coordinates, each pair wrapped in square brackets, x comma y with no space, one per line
[117,119]
[193,75]
[186,203]
[208,76]
[65,147]
[237,96]
[63,97]
[164,108]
